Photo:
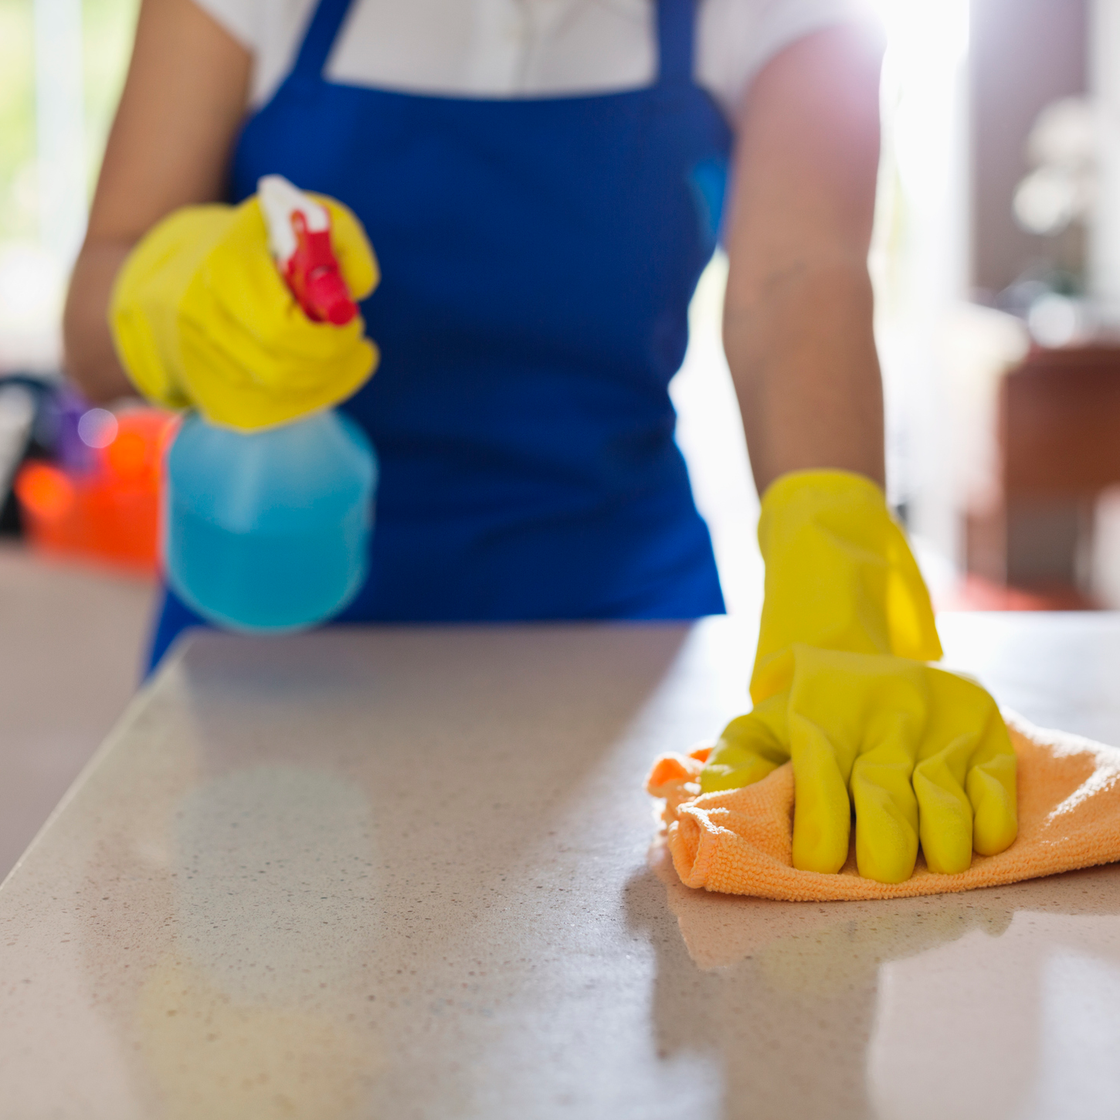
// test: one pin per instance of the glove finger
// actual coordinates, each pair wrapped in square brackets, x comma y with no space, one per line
[967,762]
[992,786]
[230,392]
[822,815]
[883,797]
[958,713]
[749,748]
[296,363]
[356,258]
[245,302]
[240,308]
[944,810]
[331,380]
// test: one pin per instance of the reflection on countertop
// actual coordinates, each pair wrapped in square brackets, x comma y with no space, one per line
[993,1003]
[374,872]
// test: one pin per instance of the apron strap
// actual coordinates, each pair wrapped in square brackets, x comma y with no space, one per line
[321,33]
[674,42]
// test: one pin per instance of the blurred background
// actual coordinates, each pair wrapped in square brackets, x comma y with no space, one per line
[996,261]
[997,265]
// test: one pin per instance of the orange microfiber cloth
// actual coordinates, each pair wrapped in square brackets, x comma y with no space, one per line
[741,841]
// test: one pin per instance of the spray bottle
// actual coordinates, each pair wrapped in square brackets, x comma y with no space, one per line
[268,530]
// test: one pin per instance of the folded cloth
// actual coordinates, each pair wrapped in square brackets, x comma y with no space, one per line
[741,841]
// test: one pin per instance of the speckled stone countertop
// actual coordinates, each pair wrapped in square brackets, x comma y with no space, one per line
[408,873]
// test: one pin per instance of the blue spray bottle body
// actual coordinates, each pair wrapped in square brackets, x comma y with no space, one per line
[269,530]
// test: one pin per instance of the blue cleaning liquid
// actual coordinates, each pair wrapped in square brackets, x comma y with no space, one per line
[269,531]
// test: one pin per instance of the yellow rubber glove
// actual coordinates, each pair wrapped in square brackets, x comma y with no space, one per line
[201,316]
[840,688]
[839,575]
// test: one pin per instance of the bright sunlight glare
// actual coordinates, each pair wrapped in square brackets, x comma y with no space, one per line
[924,32]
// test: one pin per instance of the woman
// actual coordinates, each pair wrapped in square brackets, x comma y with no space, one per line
[542,181]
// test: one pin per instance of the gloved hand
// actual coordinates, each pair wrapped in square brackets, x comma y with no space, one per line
[201,316]
[840,688]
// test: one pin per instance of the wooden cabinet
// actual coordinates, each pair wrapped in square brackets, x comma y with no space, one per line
[1058,448]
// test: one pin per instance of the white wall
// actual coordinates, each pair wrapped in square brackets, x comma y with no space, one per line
[1104,234]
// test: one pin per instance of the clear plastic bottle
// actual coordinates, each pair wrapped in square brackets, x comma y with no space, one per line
[269,530]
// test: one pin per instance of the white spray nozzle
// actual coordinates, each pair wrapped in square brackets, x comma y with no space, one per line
[280,201]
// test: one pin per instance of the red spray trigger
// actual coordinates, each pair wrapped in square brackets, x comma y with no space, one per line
[312,274]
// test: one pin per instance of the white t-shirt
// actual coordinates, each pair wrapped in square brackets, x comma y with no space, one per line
[523,48]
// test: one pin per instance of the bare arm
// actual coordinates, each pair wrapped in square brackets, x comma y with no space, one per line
[798,314]
[182,104]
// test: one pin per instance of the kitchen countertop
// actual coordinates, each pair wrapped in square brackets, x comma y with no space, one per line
[408,873]
[71,654]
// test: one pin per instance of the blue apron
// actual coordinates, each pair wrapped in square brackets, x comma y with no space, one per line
[538,258]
